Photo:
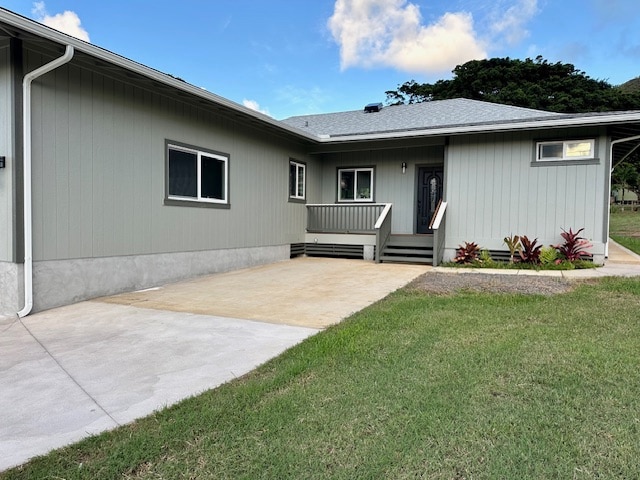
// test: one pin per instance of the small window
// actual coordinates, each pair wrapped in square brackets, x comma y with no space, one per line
[196,175]
[565,150]
[355,185]
[297,180]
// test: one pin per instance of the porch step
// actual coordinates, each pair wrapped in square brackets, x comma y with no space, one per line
[408,249]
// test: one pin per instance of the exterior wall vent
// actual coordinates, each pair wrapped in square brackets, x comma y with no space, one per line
[373,107]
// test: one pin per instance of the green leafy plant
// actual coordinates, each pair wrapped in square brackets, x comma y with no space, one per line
[574,246]
[530,250]
[467,253]
[513,243]
[485,258]
[548,255]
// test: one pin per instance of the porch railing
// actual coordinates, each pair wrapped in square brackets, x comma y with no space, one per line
[438,225]
[334,218]
[383,231]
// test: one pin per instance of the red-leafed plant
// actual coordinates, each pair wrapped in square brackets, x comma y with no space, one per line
[574,246]
[529,250]
[467,253]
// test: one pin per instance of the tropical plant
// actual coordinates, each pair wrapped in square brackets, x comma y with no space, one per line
[574,246]
[529,250]
[513,243]
[467,253]
[548,255]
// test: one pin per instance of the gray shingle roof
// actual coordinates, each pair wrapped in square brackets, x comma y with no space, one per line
[417,116]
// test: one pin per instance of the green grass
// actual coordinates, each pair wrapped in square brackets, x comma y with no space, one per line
[416,386]
[625,228]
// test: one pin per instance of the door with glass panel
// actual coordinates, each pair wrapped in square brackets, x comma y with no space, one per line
[429,195]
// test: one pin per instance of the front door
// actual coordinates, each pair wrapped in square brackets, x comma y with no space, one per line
[429,195]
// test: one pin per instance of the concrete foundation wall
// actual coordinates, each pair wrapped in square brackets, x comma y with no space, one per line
[11,292]
[61,282]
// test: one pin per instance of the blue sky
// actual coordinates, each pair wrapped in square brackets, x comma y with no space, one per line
[294,57]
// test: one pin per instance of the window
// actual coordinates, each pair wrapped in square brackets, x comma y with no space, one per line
[565,150]
[355,185]
[195,175]
[297,180]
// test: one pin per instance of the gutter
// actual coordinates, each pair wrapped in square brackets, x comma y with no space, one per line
[27,193]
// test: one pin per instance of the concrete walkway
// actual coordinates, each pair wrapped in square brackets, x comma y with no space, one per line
[78,370]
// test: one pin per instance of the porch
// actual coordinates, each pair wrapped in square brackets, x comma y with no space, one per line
[364,231]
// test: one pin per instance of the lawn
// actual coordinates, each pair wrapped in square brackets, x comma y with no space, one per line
[625,228]
[466,385]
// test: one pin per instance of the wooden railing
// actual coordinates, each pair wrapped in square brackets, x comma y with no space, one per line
[383,231]
[339,218]
[438,225]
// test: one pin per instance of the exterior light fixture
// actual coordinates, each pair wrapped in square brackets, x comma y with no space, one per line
[3,162]
[404,167]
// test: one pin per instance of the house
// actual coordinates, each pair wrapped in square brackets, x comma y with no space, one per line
[114,176]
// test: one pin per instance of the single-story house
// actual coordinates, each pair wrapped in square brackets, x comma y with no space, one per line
[114,176]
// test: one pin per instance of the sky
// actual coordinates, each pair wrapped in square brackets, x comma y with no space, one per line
[299,57]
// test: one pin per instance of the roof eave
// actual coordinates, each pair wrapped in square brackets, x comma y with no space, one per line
[43,31]
[572,121]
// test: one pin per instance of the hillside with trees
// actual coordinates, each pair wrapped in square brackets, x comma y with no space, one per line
[538,84]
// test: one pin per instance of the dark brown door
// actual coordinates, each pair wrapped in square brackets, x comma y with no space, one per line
[429,195]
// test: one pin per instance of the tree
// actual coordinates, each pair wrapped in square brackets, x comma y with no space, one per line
[627,176]
[538,84]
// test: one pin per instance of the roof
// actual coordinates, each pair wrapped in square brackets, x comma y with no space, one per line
[417,116]
[91,56]
[428,119]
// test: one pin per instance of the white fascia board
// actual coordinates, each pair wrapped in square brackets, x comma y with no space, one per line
[106,56]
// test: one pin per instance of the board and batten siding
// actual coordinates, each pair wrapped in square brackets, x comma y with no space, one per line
[495,190]
[7,175]
[99,173]
[390,184]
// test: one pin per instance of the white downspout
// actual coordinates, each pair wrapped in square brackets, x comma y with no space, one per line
[615,142]
[27,194]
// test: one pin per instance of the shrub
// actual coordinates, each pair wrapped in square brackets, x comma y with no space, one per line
[574,246]
[529,250]
[548,255]
[485,259]
[513,244]
[467,253]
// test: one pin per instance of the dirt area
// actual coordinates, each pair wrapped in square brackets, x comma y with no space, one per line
[446,283]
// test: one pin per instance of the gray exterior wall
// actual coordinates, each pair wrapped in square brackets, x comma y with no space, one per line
[99,188]
[7,175]
[390,184]
[493,190]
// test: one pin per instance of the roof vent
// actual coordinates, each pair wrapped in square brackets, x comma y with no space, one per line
[373,107]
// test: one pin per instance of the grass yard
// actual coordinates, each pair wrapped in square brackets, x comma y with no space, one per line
[625,228]
[460,386]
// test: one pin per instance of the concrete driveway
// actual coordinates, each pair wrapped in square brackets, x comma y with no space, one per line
[78,370]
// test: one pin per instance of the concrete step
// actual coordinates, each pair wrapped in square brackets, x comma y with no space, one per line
[400,259]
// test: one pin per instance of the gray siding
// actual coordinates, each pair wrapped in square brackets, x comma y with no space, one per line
[391,185]
[494,191]
[6,149]
[99,173]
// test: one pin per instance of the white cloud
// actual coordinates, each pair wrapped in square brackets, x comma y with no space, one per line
[510,25]
[390,33]
[67,22]
[253,105]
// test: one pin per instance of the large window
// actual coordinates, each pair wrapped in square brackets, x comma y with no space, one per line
[196,175]
[565,150]
[355,185]
[297,180]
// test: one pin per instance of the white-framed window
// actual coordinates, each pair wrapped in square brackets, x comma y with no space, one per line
[565,150]
[297,180]
[197,175]
[355,184]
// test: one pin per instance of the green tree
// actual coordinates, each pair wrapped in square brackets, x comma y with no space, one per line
[626,176]
[539,84]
